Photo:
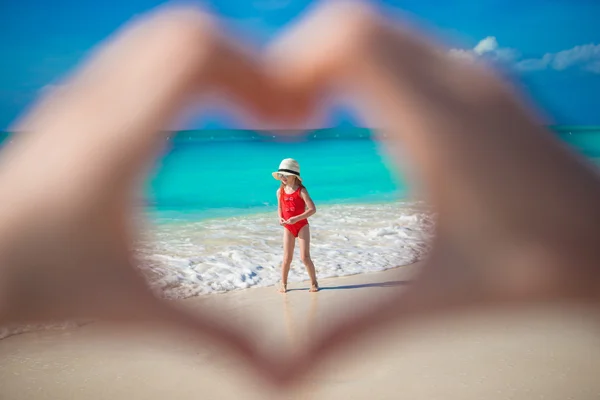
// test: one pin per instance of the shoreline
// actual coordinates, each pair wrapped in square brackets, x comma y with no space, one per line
[190,258]
[64,326]
[152,214]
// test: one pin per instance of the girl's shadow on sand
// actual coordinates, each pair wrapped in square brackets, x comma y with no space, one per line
[364,285]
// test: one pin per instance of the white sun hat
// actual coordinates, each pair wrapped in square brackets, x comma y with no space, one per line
[289,167]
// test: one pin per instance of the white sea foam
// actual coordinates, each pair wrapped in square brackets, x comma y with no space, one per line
[191,258]
[185,259]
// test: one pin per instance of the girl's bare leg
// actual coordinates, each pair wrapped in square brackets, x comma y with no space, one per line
[304,240]
[289,241]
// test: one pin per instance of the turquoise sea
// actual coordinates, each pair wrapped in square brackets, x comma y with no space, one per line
[228,172]
[223,173]
[212,202]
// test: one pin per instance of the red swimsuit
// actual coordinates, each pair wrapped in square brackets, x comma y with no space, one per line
[293,205]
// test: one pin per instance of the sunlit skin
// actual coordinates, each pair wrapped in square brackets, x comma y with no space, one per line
[290,185]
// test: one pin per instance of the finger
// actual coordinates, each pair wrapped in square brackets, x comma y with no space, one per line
[479,155]
[403,308]
[422,301]
[107,119]
[207,323]
[108,114]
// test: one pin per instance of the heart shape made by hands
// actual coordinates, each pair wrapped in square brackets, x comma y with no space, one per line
[479,156]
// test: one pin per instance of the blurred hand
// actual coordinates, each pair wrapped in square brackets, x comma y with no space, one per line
[70,179]
[518,215]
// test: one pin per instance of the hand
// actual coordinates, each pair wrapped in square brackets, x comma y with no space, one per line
[70,178]
[510,199]
[281,221]
[292,221]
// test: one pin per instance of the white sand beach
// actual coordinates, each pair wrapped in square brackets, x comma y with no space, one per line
[538,354]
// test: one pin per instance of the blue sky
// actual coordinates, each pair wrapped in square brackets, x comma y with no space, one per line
[552,47]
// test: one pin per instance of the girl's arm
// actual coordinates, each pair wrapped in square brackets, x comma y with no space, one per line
[279,206]
[311,209]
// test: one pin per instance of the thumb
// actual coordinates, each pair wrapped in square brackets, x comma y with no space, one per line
[209,325]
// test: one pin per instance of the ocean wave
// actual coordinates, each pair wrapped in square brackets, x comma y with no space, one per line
[183,258]
[186,259]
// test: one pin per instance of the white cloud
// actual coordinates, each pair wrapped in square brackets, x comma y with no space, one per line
[577,55]
[487,45]
[506,55]
[533,64]
[487,48]
[462,54]
[586,57]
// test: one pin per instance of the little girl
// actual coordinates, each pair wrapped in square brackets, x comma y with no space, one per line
[294,208]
